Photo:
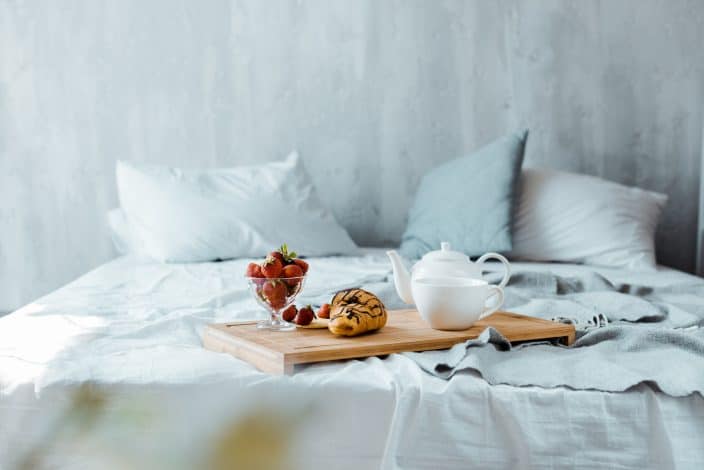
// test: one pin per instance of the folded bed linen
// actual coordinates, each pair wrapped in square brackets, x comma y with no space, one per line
[653,336]
[132,328]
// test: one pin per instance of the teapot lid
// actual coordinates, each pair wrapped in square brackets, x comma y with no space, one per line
[445,253]
[445,263]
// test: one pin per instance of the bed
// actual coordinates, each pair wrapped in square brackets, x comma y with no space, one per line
[131,329]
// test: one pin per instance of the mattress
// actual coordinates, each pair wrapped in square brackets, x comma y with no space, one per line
[156,399]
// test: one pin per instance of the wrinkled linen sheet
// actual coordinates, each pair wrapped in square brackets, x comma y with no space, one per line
[653,337]
[133,327]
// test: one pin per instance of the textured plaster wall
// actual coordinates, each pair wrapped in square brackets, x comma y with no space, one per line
[372,93]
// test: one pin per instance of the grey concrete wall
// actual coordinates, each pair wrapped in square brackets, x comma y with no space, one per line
[373,93]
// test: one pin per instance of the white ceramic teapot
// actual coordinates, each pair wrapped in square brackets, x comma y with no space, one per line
[435,285]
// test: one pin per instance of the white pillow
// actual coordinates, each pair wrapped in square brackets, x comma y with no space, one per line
[123,238]
[583,219]
[203,215]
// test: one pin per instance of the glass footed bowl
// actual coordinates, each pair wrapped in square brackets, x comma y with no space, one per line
[275,294]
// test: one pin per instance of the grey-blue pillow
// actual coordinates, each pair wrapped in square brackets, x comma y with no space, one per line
[468,202]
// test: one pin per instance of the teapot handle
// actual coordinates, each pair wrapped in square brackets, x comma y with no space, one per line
[504,261]
[495,291]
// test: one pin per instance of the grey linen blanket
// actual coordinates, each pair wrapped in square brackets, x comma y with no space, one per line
[654,337]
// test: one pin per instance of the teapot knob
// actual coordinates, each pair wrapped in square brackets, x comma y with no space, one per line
[445,246]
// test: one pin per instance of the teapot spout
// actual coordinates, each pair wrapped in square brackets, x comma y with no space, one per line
[402,278]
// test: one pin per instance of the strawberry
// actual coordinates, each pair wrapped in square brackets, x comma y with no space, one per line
[272,267]
[254,270]
[324,311]
[301,264]
[278,255]
[290,313]
[292,271]
[274,292]
[305,316]
[292,289]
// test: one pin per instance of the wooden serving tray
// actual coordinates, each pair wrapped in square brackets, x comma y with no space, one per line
[278,352]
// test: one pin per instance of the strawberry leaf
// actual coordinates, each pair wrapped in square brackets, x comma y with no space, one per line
[288,257]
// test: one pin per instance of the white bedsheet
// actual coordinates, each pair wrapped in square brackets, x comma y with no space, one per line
[134,326]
